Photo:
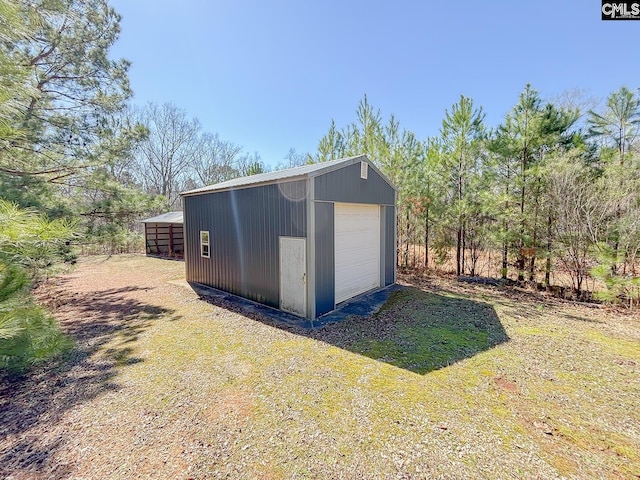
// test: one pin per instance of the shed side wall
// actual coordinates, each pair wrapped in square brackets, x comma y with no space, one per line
[244,226]
[389,245]
[160,240]
[345,185]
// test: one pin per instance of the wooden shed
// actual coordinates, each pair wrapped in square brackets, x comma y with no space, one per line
[163,235]
[301,240]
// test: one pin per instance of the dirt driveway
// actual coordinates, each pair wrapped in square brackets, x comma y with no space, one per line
[105,308]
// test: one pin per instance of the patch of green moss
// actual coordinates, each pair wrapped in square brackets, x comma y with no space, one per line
[540,331]
[404,295]
[422,348]
[564,465]
[616,346]
[422,331]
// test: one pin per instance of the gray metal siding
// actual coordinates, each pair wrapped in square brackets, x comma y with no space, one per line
[325,254]
[244,227]
[345,185]
[390,245]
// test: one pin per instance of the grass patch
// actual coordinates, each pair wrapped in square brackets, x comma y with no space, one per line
[423,348]
[422,332]
[617,346]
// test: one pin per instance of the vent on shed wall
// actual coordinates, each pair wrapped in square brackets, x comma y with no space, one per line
[364,170]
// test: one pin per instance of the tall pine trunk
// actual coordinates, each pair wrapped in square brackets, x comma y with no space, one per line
[458,252]
[505,225]
[398,248]
[460,233]
[532,264]
[547,269]
[464,246]
[426,240]
[616,243]
[523,176]
[520,260]
[505,263]
[406,247]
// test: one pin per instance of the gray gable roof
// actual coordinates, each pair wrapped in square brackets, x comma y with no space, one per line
[304,171]
[170,217]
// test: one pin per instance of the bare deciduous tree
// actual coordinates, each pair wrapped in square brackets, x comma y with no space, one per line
[169,152]
[580,215]
[216,161]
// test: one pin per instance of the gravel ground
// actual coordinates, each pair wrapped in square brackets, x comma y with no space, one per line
[164,385]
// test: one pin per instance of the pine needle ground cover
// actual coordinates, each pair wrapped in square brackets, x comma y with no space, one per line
[446,381]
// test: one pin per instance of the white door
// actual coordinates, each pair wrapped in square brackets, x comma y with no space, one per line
[357,249]
[293,275]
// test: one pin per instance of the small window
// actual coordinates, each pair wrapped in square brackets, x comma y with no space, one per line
[364,170]
[204,243]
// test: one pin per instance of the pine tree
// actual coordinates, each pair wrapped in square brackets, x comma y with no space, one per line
[462,129]
[617,127]
[29,244]
[530,131]
[73,87]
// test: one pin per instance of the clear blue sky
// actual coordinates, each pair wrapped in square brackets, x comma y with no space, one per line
[271,75]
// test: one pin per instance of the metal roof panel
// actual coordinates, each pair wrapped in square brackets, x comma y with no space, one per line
[269,177]
[169,217]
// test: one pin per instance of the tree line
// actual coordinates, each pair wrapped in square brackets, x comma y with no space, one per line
[552,191]
[71,144]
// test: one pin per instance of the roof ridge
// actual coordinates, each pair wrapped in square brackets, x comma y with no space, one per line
[303,170]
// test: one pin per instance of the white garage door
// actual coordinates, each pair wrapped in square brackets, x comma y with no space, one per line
[357,244]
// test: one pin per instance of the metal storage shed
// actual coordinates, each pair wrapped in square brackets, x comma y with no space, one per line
[163,235]
[301,240]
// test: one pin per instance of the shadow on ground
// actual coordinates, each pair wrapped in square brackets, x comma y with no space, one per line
[515,301]
[40,398]
[415,330]
[419,331]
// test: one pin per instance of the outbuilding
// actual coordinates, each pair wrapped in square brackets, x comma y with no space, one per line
[163,235]
[301,240]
